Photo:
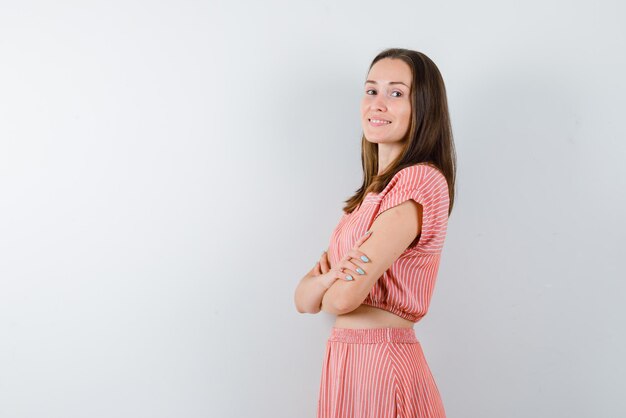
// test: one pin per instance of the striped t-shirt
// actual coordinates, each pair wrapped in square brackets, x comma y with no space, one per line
[406,287]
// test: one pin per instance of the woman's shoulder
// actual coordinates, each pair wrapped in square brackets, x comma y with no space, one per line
[416,173]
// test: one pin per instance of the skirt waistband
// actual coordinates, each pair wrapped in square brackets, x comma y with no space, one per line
[373,335]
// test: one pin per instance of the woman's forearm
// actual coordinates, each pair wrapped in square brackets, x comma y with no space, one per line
[310,291]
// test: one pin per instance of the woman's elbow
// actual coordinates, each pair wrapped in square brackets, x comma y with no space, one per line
[305,309]
[335,306]
[299,308]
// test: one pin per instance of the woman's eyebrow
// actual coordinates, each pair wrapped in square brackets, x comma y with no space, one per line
[391,82]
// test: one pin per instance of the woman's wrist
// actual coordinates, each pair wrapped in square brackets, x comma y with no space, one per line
[326,280]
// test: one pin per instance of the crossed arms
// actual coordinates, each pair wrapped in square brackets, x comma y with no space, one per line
[393,231]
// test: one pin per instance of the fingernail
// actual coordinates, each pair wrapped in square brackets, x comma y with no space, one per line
[364,258]
[348,277]
[360,270]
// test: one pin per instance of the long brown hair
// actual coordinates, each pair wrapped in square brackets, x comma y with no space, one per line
[430,137]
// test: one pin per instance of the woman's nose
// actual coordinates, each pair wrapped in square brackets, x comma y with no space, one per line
[379,103]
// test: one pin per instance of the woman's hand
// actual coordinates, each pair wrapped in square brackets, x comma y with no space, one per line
[349,267]
[322,266]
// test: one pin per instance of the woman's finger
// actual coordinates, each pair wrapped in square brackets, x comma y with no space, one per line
[324,262]
[350,267]
[317,270]
[343,273]
[357,255]
[350,264]
[347,273]
[347,267]
[363,239]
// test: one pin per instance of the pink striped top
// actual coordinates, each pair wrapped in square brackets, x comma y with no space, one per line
[406,287]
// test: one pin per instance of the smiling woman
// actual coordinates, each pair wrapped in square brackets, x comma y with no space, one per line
[386,105]
[379,285]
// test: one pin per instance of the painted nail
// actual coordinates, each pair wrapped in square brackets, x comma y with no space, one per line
[360,270]
[348,277]
[364,258]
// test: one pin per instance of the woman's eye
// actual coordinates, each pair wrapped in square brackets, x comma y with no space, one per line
[395,91]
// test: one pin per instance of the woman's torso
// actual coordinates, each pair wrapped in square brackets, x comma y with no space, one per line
[396,289]
[366,316]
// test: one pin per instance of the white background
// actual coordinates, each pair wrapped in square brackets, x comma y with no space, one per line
[170,170]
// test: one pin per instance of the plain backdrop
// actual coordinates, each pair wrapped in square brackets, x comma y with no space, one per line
[170,170]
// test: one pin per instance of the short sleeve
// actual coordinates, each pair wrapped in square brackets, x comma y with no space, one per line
[427,186]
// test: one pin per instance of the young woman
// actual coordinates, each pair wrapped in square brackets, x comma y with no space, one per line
[380,283]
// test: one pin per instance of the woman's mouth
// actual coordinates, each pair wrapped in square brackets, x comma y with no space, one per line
[378,122]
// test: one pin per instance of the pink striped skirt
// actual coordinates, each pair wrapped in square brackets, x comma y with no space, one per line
[377,373]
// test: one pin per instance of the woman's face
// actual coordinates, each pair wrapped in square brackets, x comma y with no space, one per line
[387,98]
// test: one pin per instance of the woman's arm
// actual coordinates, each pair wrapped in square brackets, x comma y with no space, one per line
[392,233]
[313,286]
[310,290]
